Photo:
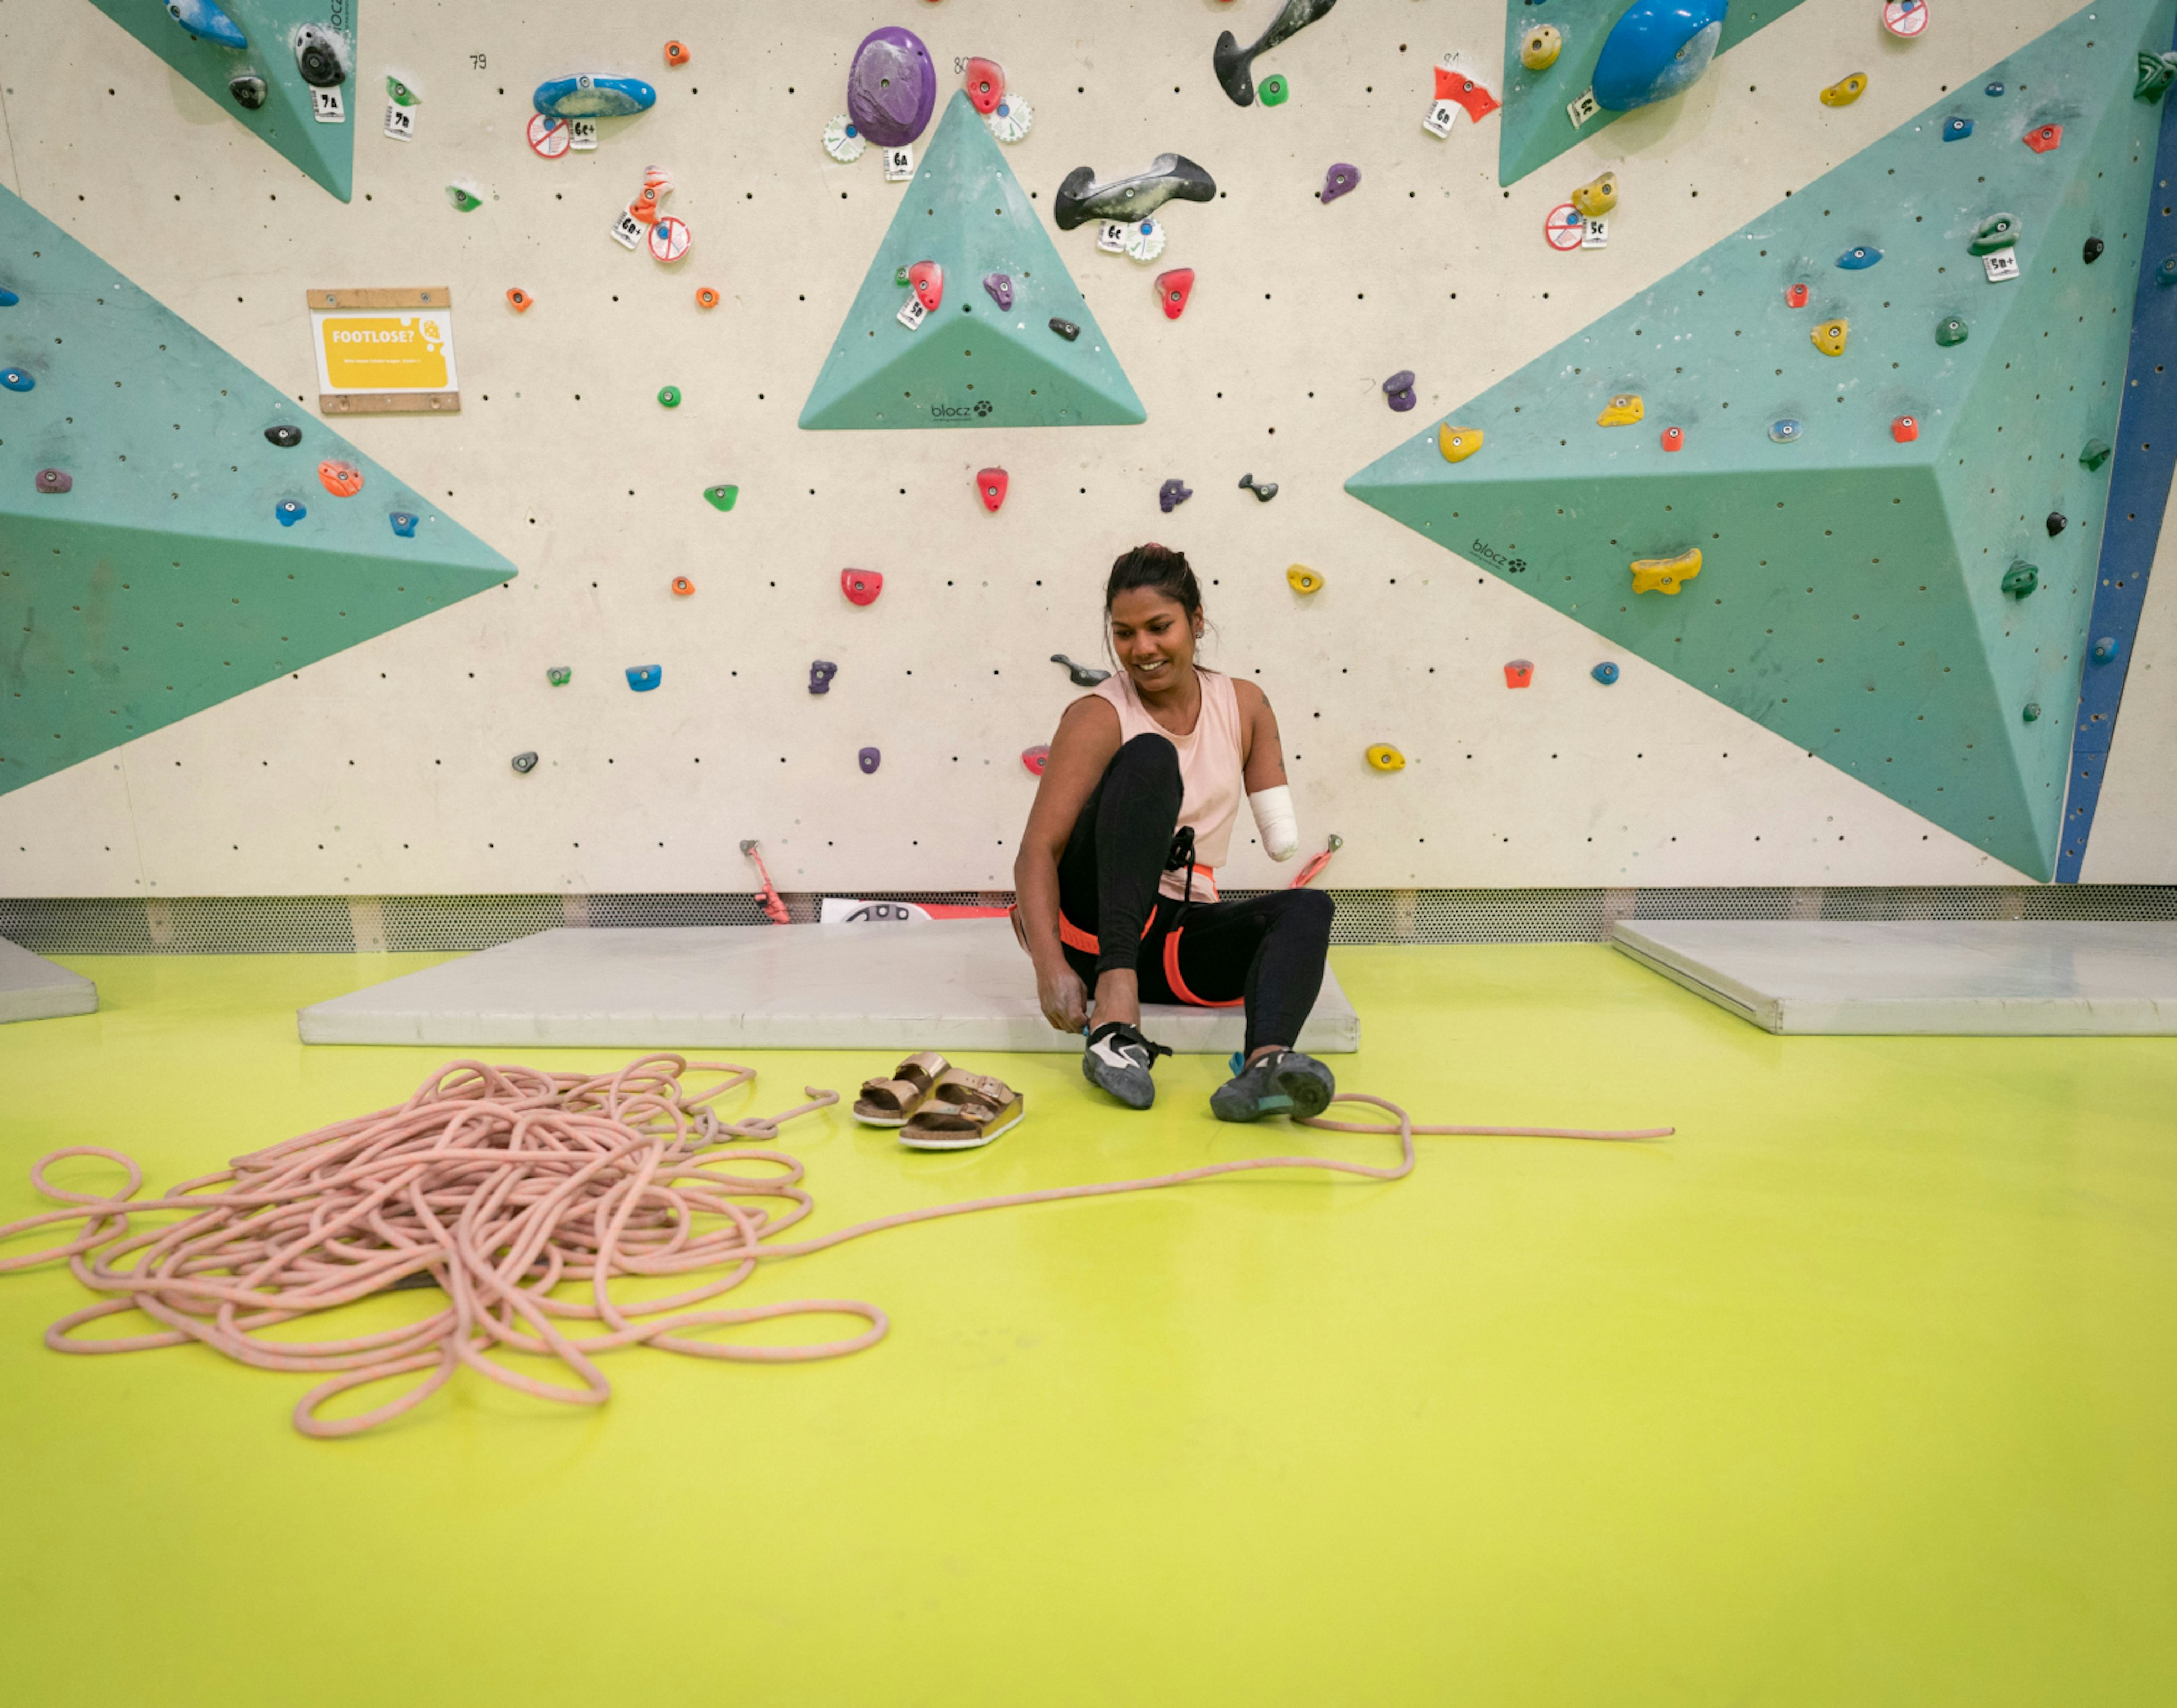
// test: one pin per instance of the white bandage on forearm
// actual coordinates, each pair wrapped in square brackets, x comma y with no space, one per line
[1274,817]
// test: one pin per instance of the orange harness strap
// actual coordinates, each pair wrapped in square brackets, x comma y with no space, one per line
[1074,937]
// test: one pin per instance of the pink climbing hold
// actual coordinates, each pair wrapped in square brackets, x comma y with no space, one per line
[928,279]
[1173,289]
[1905,429]
[1795,297]
[986,83]
[1674,439]
[861,587]
[991,485]
[2045,139]
[1035,758]
[1519,673]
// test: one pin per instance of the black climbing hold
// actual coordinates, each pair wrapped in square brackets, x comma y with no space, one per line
[525,762]
[1065,329]
[1082,675]
[1263,490]
[248,89]
[286,437]
[1235,64]
[1173,493]
[51,480]
[1081,199]
[2093,250]
[2057,523]
[318,55]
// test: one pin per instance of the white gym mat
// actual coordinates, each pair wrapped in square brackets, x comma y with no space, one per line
[2046,978]
[32,987]
[943,985]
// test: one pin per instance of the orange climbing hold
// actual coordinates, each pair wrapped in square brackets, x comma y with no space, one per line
[683,586]
[1519,673]
[1674,439]
[705,298]
[676,53]
[1795,297]
[341,479]
[2045,139]
[1905,429]
[518,299]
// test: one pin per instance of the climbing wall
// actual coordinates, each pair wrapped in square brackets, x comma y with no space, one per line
[386,766]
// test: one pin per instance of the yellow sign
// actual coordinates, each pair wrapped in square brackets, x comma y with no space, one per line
[385,352]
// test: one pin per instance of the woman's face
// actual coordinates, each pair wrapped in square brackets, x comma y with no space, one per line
[1153,636]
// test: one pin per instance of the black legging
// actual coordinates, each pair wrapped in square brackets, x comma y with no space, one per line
[1269,951]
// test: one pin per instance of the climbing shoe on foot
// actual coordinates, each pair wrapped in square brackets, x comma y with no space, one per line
[1285,1084]
[1118,1059]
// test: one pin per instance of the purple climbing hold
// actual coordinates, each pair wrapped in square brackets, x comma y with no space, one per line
[52,480]
[1399,389]
[1000,288]
[1341,178]
[891,87]
[1173,493]
[820,676]
[869,759]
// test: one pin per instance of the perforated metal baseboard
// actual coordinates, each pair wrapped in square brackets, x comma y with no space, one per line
[347,924]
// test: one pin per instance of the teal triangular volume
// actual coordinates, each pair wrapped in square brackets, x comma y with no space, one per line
[1536,127]
[324,151]
[162,581]
[1850,597]
[971,365]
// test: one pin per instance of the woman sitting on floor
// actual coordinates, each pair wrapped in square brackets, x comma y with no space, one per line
[1115,872]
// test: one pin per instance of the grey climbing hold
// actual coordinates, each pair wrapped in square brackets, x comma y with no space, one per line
[1399,389]
[402,522]
[642,677]
[1235,64]
[248,89]
[1341,178]
[2105,649]
[2021,580]
[1605,672]
[558,675]
[820,675]
[52,480]
[1172,494]
[868,758]
[1000,288]
[2057,523]
[15,379]
[1264,490]
[1081,200]
[525,762]
[1065,329]
[286,437]
[2091,251]
[289,512]
[1082,675]
[321,56]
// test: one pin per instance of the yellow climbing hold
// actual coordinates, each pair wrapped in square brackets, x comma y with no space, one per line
[1458,443]
[1540,47]
[1623,410]
[1665,574]
[1303,579]
[1828,337]
[1385,757]
[1598,199]
[1844,94]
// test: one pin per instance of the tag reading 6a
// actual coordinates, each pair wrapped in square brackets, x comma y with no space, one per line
[1438,121]
[399,123]
[325,106]
[627,231]
[581,133]
[898,164]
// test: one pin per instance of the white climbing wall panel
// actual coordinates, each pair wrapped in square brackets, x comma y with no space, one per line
[385,769]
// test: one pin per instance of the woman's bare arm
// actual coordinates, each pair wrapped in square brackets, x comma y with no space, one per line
[1262,751]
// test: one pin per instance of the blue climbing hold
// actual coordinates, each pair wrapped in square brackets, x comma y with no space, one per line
[2106,649]
[1605,672]
[404,524]
[1858,258]
[1995,89]
[1657,49]
[289,512]
[202,18]
[642,677]
[8,299]
[15,379]
[1784,432]
[2166,273]
[1956,129]
[586,96]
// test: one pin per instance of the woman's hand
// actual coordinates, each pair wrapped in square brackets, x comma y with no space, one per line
[1063,997]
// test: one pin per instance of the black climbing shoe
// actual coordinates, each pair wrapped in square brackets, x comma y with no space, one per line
[1118,1059]
[1287,1084]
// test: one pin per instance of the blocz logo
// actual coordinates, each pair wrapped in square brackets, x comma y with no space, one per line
[1511,566]
[960,411]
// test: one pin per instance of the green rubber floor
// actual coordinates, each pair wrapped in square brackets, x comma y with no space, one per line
[1857,1390]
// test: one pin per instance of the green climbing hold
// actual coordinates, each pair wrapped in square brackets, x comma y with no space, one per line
[722,496]
[899,277]
[2033,712]
[2094,454]
[669,395]
[1996,232]
[2156,71]
[1272,89]
[1951,331]
[402,94]
[559,675]
[463,199]
[2021,579]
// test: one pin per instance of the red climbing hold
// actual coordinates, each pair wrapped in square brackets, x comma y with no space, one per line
[861,587]
[1795,297]
[1905,429]
[1460,87]
[1173,289]
[1035,758]
[986,83]
[1519,673]
[991,483]
[1674,439]
[2045,139]
[928,279]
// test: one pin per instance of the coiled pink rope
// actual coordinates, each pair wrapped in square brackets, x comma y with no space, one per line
[499,1184]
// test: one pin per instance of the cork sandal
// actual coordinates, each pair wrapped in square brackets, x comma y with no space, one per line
[965,1111]
[891,1102]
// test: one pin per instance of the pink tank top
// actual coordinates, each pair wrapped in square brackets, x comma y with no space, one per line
[1211,764]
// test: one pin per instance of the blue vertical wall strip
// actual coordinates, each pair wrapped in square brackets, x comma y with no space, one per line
[2145,455]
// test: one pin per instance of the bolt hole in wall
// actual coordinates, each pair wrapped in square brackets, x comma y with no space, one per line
[713,574]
